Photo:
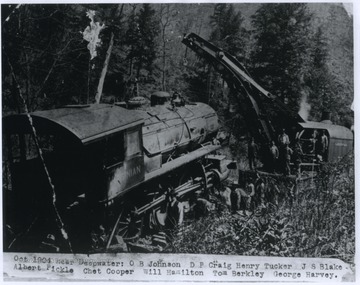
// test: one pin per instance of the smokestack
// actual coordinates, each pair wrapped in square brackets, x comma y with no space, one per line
[326,117]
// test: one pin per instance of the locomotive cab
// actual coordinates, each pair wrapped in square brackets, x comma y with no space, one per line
[91,155]
[28,189]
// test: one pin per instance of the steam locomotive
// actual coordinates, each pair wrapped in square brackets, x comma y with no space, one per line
[90,177]
[108,173]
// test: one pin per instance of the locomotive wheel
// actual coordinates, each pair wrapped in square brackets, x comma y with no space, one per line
[189,200]
[130,224]
[158,214]
[195,171]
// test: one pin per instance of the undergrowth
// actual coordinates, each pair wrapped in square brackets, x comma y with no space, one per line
[316,218]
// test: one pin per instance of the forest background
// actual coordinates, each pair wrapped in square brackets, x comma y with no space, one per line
[302,52]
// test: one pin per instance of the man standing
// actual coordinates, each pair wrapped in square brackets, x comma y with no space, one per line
[283,139]
[246,195]
[274,151]
[288,153]
[298,153]
[324,145]
[252,153]
[283,152]
[260,188]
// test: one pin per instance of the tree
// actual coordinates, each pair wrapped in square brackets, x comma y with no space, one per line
[227,31]
[141,35]
[229,34]
[167,22]
[149,29]
[318,80]
[281,55]
[326,92]
[339,37]
[39,42]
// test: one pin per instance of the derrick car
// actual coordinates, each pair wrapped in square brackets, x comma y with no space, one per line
[108,173]
[266,115]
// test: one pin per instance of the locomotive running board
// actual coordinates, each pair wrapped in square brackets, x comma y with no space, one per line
[181,161]
[171,165]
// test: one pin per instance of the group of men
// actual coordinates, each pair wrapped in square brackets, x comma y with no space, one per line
[238,197]
[249,193]
[280,154]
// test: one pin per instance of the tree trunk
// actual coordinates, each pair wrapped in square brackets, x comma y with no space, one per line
[164,67]
[164,59]
[104,70]
[27,82]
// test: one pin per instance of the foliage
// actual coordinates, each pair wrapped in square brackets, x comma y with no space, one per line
[307,220]
[229,34]
[168,14]
[320,81]
[227,30]
[326,89]
[281,54]
[51,63]
[44,44]
[39,47]
[143,30]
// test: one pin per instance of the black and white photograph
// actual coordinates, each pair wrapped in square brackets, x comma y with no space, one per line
[196,142]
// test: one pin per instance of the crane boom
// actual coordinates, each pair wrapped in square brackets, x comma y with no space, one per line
[251,94]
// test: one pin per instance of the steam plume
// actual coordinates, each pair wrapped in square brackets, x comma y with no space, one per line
[304,107]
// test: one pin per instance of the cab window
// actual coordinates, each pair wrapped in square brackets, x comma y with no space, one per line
[133,143]
[114,150]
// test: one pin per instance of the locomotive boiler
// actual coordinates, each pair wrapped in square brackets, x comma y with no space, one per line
[108,173]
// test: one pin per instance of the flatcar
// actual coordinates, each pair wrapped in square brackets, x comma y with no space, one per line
[108,173]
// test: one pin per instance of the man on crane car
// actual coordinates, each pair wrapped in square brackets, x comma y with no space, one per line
[324,145]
